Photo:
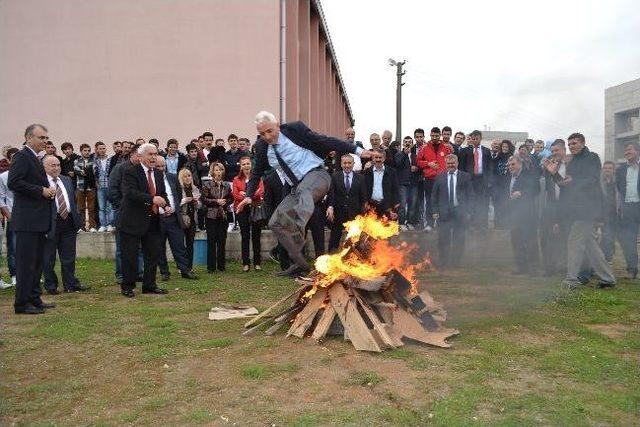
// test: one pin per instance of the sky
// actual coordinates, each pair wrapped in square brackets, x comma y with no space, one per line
[536,66]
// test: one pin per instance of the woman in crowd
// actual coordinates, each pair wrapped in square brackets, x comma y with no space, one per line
[216,196]
[188,208]
[248,229]
[501,180]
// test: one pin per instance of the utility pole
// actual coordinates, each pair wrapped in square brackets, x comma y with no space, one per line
[399,84]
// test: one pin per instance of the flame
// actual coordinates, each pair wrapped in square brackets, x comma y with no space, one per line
[380,259]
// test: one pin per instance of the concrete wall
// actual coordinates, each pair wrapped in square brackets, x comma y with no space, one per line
[102,245]
[621,122]
[106,70]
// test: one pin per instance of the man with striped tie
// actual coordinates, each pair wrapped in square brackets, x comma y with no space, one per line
[61,238]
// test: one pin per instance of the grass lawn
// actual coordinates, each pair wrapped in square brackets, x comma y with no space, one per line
[523,358]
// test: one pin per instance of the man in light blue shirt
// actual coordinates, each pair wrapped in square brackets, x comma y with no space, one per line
[628,185]
[297,152]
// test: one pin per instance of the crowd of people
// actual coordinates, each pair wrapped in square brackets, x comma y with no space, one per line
[563,208]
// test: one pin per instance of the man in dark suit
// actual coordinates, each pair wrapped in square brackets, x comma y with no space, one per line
[31,219]
[383,190]
[475,159]
[628,184]
[275,189]
[139,221]
[347,198]
[172,227]
[521,215]
[298,152]
[61,238]
[451,200]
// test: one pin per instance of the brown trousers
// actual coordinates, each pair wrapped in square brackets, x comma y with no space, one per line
[86,201]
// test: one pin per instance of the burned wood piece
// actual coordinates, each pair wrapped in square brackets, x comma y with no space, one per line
[298,291]
[372,285]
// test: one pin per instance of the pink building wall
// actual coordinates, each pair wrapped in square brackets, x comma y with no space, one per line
[107,70]
[119,69]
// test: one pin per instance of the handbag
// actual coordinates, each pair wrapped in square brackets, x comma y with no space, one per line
[186,221]
[258,214]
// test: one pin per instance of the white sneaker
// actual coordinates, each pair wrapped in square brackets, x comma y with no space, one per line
[410,227]
[428,229]
[92,230]
[4,285]
[230,228]
[13,280]
[111,229]
[403,227]
[102,229]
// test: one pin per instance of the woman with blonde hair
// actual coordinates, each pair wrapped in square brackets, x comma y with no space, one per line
[188,208]
[216,196]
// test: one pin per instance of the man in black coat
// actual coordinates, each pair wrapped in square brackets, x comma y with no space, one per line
[581,186]
[139,221]
[64,229]
[31,219]
[172,227]
[521,215]
[275,189]
[347,199]
[475,159]
[451,200]
[628,184]
[298,152]
[383,190]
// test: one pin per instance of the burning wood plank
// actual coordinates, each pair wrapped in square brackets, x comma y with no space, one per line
[365,289]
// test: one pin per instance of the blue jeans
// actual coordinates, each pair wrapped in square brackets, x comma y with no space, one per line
[11,249]
[105,211]
[405,190]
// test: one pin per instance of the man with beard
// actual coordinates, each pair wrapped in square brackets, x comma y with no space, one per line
[431,160]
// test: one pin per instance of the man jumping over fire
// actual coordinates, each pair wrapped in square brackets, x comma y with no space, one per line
[298,153]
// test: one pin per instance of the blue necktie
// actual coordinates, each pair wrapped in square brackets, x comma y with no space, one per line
[347,183]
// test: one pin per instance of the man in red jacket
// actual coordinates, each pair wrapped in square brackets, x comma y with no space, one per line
[431,160]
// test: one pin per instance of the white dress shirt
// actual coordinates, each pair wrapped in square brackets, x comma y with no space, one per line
[146,176]
[632,195]
[479,150]
[377,194]
[455,184]
[6,195]
[167,188]
[58,183]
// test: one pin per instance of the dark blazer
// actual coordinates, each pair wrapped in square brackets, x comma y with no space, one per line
[390,187]
[73,208]
[115,183]
[135,211]
[31,211]
[440,195]
[302,136]
[274,192]
[554,209]
[522,212]
[347,205]
[465,157]
[621,181]
[176,191]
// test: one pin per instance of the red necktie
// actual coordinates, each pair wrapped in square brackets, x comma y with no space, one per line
[152,190]
[476,161]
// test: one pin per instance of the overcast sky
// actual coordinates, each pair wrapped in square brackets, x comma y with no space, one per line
[535,66]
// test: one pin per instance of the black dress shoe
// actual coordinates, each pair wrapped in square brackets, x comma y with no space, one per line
[128,294]
[166,277]
[139,279]
[46,305]
[158,291]
[293,271]
[30,309]
[606,285]
[189,275]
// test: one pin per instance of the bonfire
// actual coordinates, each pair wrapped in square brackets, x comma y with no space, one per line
[367,292]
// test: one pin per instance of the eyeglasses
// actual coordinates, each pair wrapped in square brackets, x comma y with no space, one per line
[43,138]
